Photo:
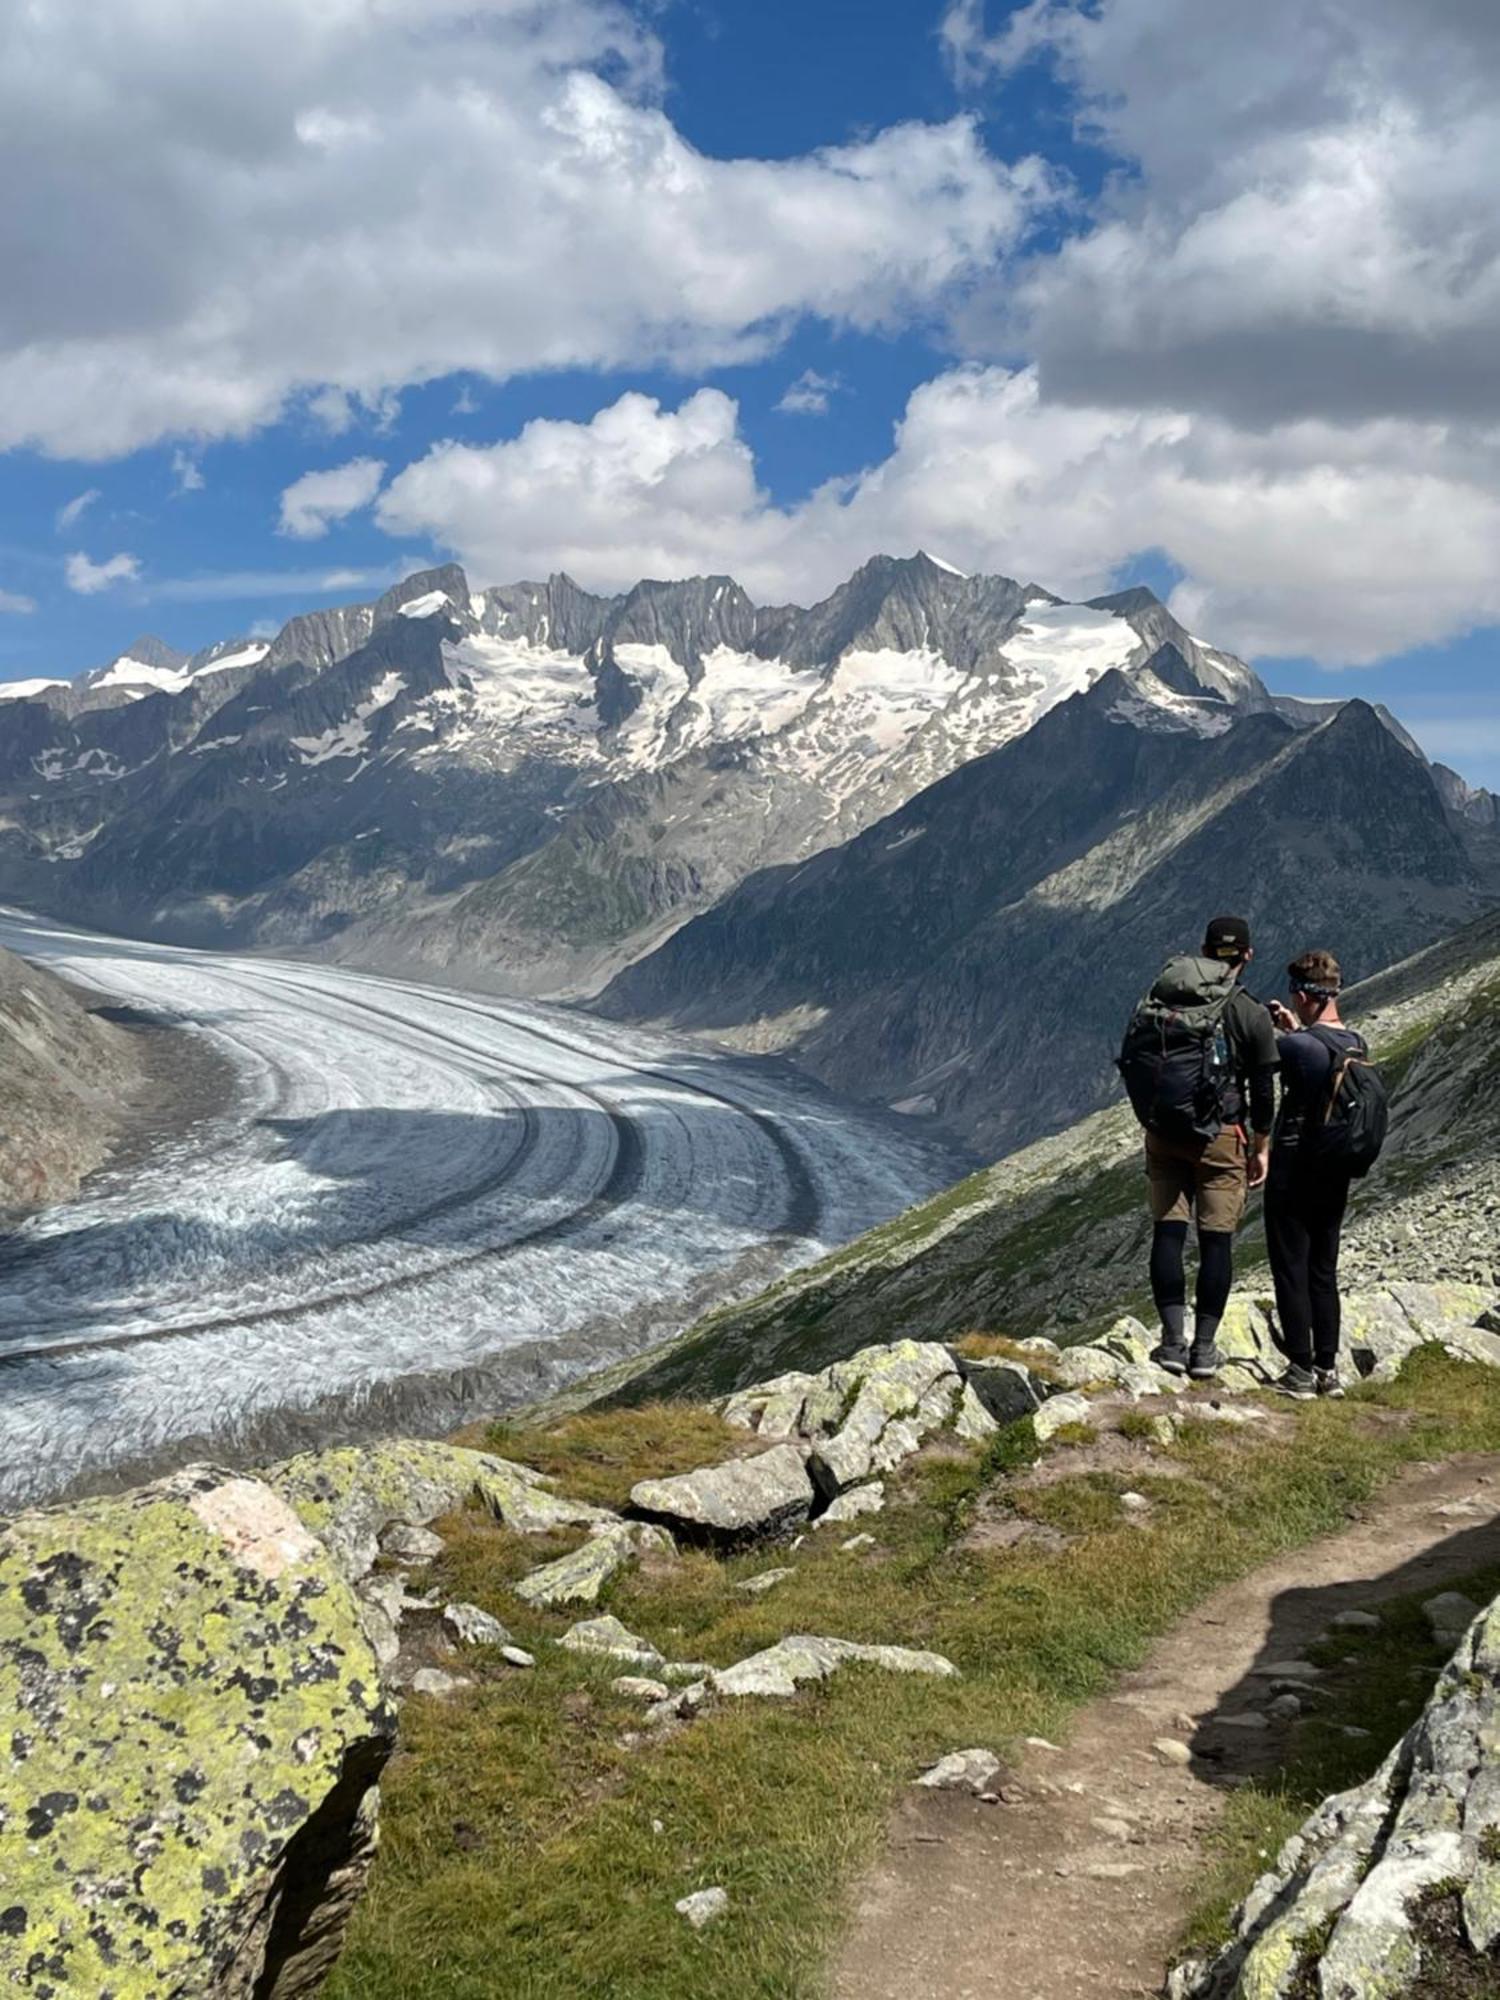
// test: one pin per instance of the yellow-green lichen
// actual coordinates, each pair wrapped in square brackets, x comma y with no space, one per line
[179,1702]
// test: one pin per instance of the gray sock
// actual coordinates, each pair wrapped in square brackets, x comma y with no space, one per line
[1174,1326]
[1206,1329]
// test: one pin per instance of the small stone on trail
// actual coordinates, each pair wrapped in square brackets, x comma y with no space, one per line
[1450,1614]
[857,1542]
[1113,1871]
[409,1544]
[1113,1829]
[1350,1729]
[962,1771]
[517,1656]
[1355,1621]
[472,1627]
[433,1681]
[1134,1503]
[1039,1743]
[703,1906]
[1284,1708]
[1287,1670]
[1170,1751]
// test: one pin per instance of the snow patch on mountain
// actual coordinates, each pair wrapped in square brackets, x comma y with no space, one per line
[351,737]
[23,690]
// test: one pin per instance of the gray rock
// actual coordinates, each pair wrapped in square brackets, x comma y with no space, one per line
[1355,1621]
[747,1499]
[472,1627]
[441,1686]
[578,1577]
[901,1394]
[412,1545]
[517,1656]
[1450,1615]
[856,1542]
[858,1500]
[755,1586]
[805,1657]
[1006,1389]
[962,1771]
[608,1637]
[1170,1751]
[1061,1410]
[1350,1878]
[973,1424]
[636,1687]
[703,1906]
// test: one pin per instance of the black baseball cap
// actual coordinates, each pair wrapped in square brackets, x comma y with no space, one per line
[1226,937]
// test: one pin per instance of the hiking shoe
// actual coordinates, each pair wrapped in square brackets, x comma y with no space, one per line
[1328,1382]
[1301,1384]
[1204,1363]
[1171,1355]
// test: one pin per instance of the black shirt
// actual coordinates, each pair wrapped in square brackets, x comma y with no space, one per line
[1255,1059]
[1306,1077]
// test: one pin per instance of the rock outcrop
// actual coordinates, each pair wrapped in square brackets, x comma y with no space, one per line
[1347,1911]
[196,1729]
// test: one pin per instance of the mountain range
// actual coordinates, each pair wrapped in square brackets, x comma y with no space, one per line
[924,835]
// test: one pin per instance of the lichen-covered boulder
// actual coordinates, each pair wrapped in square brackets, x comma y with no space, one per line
[1059,1411]
[350,1497]
[195,1728]
[1340,1914]
[772,1409]
[894,1397]
[743,1500]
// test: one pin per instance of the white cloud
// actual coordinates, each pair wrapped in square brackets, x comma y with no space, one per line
[89,578]
[70,514]
[14,602]
[1307,226]
[330,202]
[808,395]
[1344,542]
[187,472]
[311,504]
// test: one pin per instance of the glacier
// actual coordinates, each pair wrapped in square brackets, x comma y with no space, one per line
[419,1203]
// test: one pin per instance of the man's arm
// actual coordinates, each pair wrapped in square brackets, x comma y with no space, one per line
[1262,1061]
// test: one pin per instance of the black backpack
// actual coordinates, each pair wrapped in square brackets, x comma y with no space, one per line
[1175,1058]
[1350,1129]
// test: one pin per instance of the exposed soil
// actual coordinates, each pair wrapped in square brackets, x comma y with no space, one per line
[1077,1885]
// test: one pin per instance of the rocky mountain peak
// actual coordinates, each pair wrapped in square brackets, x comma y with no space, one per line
[425,587]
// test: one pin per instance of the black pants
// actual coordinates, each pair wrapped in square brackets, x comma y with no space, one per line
[1304,1217]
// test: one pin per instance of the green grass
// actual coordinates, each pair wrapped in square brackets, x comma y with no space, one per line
[528,1850]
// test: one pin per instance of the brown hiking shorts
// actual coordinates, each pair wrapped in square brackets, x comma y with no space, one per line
[1203,1177]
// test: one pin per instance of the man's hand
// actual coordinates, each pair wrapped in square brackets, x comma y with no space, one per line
[1284,1018]
[1260,1160]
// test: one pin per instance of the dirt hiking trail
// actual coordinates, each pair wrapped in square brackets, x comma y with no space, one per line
[1077,1885]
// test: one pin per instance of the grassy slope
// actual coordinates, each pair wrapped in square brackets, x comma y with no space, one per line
[1054,1238]
[531,1848]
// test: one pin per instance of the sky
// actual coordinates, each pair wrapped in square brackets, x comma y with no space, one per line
[300,297]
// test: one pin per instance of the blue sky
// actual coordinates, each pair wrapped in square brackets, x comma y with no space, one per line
[300,298]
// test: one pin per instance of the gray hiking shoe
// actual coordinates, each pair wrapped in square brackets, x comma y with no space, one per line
[1205,1362]
[1171,1355]
[1301,1384]
[1328,1382]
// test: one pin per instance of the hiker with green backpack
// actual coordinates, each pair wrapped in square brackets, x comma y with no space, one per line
[1329,1132]
[1199,1062]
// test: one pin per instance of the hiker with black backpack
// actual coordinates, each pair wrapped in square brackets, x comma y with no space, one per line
[1199,1062]
[1329,1132]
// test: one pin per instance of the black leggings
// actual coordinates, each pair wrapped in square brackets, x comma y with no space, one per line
[1303,1223]
[1169,1279]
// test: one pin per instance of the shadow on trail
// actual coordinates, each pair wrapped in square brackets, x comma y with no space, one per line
[1226,1754]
